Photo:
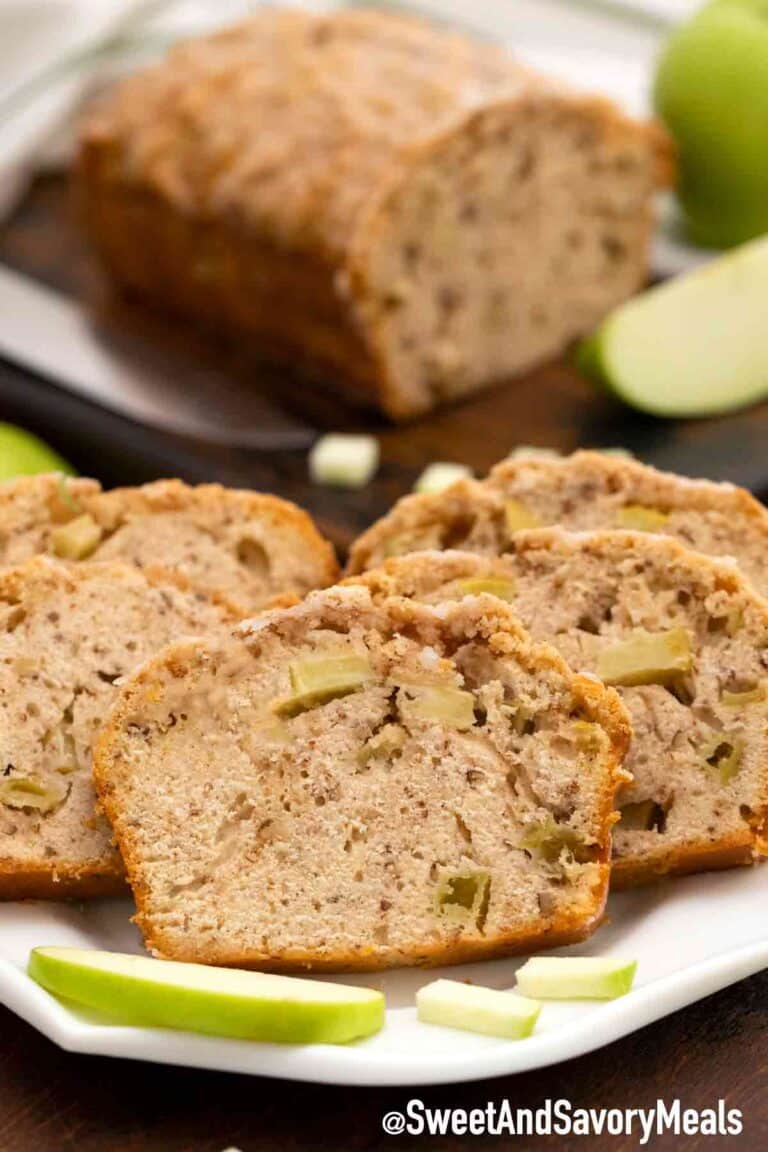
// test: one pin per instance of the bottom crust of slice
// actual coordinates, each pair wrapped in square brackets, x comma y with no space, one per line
[30,883]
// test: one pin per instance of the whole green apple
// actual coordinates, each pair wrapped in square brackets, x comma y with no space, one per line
[711,91]
[23,454]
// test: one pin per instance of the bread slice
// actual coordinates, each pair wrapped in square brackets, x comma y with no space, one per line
[584,491]
[67,637]
[699,754]
[398,208]
[350,784]
[465,516]
[590,490]
[249,547]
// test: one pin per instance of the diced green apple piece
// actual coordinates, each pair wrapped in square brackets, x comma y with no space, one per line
[576,977]
[518,517]
[217,1001]
[502,588]
[694,346]
[754,695]
[344,461]
[77,539]
[647,658]
[475,1009]
[23,454]
[31,793]
[323,677]
[432,702]
[547,840]
[640,518]
[463,896]
[441,475]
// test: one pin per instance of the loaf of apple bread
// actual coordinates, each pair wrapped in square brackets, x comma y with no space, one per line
[67,637]
[351,784]
[683,637]
[587,490]
[253,548]
[391,206]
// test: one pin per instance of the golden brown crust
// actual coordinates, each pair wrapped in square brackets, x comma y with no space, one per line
[31,508]
[738,851]
[349,105]
[67,883]
[470,514]
[600,704]
[565,931]
[273,512]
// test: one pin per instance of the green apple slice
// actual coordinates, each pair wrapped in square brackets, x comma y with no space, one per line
[576,977]
[23,454]
[695,346]
[217,1001]
[475,1009]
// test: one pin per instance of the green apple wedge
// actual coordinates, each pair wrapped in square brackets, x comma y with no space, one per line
[576,977]
[217,1001]
[24,454]
[693,346]
[711,92]
[472,1008]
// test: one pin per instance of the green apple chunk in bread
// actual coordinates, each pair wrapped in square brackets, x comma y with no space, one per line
[217,1001]
[252,548]
[694,346]
[67,636]
[350,784]
[584,491]
[683,638]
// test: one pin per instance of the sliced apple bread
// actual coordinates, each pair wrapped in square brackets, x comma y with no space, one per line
[465,516]
[683,637]
[590,490]
[350,784]
[67,636]
[372,197]
[584,491]
[250,547]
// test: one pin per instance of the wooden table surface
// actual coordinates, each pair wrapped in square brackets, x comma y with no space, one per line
[51,1101]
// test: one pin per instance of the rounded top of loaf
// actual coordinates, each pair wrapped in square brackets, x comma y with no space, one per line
[295,122]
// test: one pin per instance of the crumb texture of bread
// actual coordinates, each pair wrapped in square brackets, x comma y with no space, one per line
[32,507]
[589,490]
[249,547]
[388,203]
[581,492]
[349,784]
[67,637]
[698,700]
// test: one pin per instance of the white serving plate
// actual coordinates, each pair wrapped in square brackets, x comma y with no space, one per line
[690,937]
